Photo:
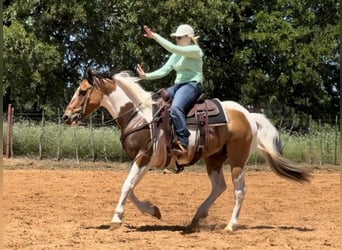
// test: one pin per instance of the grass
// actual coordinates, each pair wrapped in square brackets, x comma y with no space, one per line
[59,141]
[54,141]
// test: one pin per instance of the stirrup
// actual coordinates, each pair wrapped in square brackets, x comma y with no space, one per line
[178,152]
[175,169]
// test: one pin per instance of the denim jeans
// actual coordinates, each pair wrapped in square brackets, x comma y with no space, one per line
[184,96]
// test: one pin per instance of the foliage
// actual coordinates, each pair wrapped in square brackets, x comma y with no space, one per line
[291,57]
[280,56]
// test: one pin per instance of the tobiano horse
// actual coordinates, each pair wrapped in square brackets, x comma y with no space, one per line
[131,107]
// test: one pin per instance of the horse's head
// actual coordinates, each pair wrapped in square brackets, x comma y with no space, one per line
[86,99]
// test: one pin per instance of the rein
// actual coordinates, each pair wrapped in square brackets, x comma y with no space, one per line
[135,109]
[125,134]
[129,132]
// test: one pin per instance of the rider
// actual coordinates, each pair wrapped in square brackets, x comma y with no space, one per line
[186,60]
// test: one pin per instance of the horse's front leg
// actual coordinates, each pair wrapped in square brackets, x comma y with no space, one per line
[135,174]
[145,207]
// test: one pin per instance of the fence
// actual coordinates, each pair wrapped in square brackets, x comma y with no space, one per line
[98,139]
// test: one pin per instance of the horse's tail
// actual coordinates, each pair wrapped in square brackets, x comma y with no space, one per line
[268,142]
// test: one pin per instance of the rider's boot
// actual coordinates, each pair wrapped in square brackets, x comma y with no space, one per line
[180,151]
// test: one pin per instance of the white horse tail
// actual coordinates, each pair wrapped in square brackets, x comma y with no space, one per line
[268,143]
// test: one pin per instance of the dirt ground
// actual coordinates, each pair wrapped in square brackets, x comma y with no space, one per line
[64,205]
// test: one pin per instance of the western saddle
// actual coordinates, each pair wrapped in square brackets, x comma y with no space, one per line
[203,113]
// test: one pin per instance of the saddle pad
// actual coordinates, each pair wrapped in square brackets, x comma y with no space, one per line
[214,118]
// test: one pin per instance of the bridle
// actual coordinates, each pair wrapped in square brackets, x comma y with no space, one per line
[85,104]
[136,106]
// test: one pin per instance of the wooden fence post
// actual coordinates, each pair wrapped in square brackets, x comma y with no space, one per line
[59,137]
[9,148]
[320,143]
[76,145]
[336,134]
[12,116]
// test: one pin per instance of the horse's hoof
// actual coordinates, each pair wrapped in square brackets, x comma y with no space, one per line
[114,225]
[195,223]
[157,213]
[116,222]
[193,227]
[190,230]
[230,228]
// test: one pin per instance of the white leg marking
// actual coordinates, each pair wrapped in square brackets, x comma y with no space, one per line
[239,190]
[133,178]
[218,185]
[143,206]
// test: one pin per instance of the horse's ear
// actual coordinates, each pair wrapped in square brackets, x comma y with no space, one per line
[90,75]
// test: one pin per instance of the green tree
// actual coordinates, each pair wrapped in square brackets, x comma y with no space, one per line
[292,58]
[33,60]
[280,56]
[29,65]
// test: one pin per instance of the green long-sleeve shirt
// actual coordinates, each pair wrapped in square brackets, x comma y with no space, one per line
[185,60]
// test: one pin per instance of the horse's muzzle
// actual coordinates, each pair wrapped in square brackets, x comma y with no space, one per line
[72,119]
[65,118]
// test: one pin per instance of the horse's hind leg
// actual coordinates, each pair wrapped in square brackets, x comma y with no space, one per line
[239,192]
[238,157]
[215,172]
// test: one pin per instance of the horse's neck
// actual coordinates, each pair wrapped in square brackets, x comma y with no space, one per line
[136,94]
[120,107]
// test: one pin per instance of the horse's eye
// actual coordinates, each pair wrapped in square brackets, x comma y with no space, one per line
[82,92]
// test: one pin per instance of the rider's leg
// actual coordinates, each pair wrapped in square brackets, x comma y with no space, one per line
[183,99]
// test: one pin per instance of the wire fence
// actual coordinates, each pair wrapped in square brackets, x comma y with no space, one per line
[98,139]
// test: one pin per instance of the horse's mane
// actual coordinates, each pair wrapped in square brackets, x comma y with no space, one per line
[135,92]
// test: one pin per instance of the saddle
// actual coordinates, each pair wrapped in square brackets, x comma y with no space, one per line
[205,112]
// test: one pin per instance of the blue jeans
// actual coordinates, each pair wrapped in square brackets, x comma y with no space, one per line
[184,96]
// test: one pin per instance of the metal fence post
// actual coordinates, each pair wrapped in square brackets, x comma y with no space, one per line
[310,142]
[41,135]
[9,149]
[92,138]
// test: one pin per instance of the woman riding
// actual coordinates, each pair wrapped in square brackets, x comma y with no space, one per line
[186,60]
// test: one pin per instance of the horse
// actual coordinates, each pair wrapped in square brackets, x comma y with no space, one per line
[233,142]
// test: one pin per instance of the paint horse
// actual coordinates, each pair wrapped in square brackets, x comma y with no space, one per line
[131,106]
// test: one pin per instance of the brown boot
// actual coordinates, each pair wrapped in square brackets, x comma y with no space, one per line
[179,152]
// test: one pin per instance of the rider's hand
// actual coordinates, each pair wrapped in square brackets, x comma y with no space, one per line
[141,72]
[148,31]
